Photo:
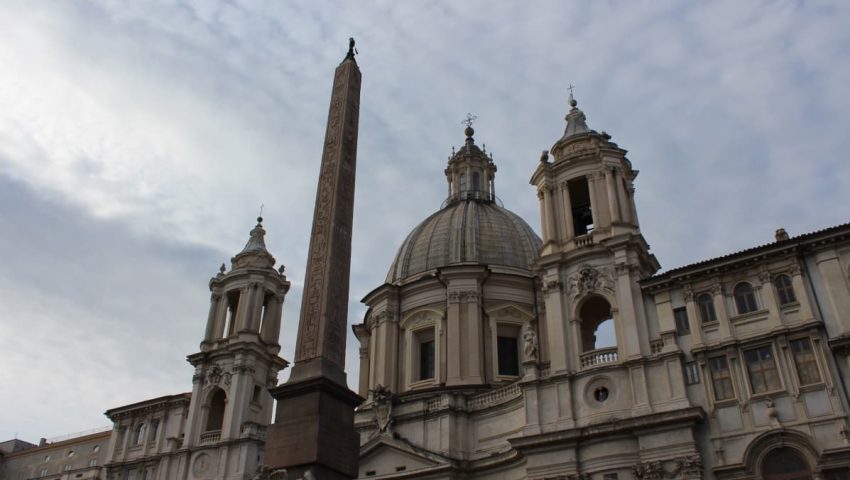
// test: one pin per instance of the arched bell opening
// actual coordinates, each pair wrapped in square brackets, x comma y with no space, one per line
[598,332]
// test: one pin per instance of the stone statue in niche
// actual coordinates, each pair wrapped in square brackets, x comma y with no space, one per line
[383,407]
[529,342]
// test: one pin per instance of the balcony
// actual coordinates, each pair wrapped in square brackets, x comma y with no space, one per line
[600,356]
[212,436]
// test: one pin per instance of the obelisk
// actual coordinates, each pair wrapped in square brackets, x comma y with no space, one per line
[314,426]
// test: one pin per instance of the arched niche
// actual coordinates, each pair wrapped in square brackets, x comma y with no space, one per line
[216,403]
[789,446]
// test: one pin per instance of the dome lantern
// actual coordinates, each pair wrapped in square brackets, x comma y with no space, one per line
[470,173]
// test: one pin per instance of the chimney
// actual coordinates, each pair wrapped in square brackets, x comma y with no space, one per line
[781,234]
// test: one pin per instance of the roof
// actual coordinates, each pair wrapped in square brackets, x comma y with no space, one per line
[800,241]
[469,231]
[153,402]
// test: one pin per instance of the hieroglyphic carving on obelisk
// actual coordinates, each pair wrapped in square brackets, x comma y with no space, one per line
[313,434]
[320,349]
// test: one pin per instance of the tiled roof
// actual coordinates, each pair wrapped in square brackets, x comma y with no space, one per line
[799,240]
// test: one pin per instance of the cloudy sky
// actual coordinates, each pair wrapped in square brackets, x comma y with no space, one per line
[139,138]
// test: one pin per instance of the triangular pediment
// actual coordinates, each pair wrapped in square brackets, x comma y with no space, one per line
[384,455]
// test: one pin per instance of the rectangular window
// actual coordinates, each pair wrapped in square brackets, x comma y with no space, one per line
[691,373]
[761,368]
[508,356]
[93,462]
[837,474]
[680,315]
[804,359]
[426,360]
[721,379]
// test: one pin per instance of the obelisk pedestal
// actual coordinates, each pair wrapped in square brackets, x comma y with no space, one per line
[314,426]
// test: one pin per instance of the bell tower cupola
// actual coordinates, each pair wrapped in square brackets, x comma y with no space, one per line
[238,359]
[586,189]
[471,172]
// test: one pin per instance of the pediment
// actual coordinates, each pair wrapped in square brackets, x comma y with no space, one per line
[384,455]
[510,311]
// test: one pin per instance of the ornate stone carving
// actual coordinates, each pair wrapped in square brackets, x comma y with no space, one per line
[214,376]
[590,279]
[552,285]
[655,470]
[764,277]
[271,379]
[329,259]
[794,269]
[454,296]
[688,292]
[265,472]
[529,342]
[716,289]
[382,408]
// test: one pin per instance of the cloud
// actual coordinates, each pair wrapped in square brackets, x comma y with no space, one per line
[137,141]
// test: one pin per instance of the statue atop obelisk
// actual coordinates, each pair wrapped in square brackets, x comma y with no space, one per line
[314,426]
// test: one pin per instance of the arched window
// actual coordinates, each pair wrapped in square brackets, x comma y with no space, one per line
[706,308]
[139,434]
[597,325]
[745,299]
[476,182]
[215,414]
[462,183]
[785,463]
[784,289]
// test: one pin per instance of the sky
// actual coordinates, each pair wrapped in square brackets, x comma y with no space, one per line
[138,140]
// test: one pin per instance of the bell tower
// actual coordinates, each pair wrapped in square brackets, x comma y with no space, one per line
[593,253]
[237,363]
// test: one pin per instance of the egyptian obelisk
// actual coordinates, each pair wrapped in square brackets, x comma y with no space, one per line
[314,426]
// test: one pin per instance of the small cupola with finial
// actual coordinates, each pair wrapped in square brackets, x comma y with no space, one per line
[470,172]
[586,190]
[247,300]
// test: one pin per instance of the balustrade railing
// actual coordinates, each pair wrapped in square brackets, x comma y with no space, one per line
[210,437]
[600,356]
[495,397]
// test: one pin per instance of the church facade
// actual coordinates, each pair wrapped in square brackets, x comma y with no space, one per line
[484,355]
[491,353]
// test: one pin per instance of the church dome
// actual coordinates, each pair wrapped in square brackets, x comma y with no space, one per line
[466,231]
[472,226]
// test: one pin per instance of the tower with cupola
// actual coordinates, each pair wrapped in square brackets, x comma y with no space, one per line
[593,253]
[238,361]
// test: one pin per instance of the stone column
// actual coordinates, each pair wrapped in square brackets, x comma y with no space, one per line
[724,329]
[569,229]
[613,205]
[543,222]
[473,341]
[551,224]
[363,391]
[622,196]
[628,332]
[555,318]
[693,315]
[837,298]
[453,339]
[594,207]
[768,297]
[632,207]
[220,317]
[800,292]
[210,330]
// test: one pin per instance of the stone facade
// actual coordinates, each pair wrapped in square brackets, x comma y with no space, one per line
[733,367]
[215,432]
